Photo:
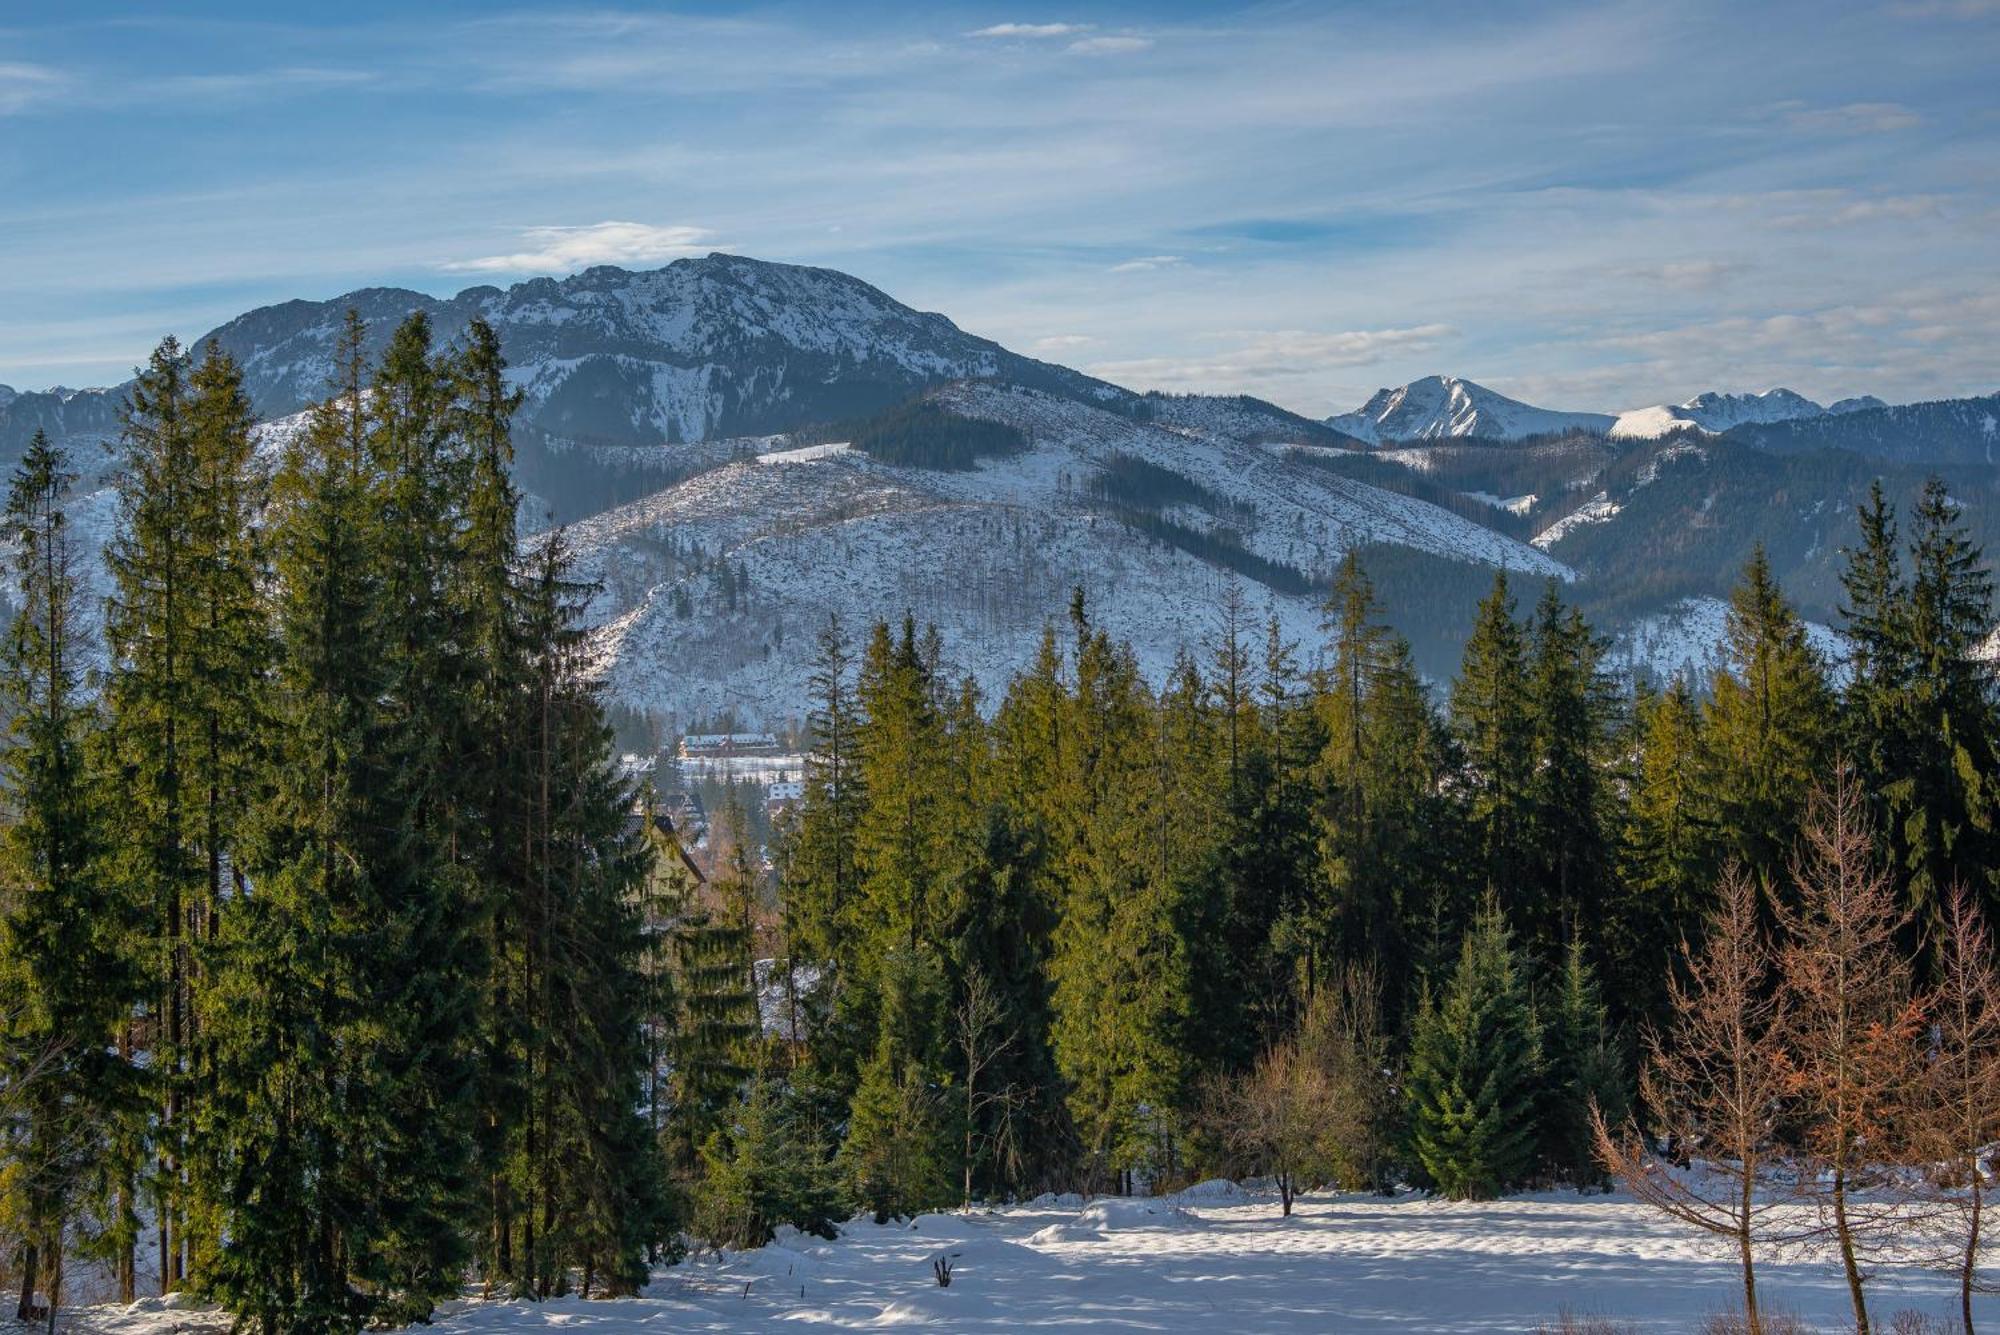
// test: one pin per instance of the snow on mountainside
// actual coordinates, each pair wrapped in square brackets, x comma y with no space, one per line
[1690,639]
[1441,406]
[990,555]
[703,348]
[1716,412]
[1948,431]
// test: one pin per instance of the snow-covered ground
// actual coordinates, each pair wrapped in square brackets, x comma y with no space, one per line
[1217,1259]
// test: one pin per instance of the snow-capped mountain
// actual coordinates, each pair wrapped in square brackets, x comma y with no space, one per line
[1441,406]
[615,364]
[988,554]
[1714,413]
[1948,431]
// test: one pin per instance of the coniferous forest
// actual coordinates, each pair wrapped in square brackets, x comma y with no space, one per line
[338,978]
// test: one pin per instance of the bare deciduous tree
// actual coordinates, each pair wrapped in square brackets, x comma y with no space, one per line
[1959,1113]
[974,1022]
[1278,1117]
[1850,1027]
[1716,1084]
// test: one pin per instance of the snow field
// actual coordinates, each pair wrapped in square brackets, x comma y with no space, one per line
[1214,1258]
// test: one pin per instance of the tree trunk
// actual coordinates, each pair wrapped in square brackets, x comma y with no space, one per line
[1847,1262]
[1746,1204]
[30,1273]
[1970,1260]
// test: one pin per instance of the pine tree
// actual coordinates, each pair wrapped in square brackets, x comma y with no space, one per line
[67,927]
[821,893]
[718,1020]
[1586,1069]
[598,1184]
[1670,853]
[898,1157]
[1491,717]
[1364,919]
[1475,1071]
[1573,707]
[1943,804]
[283,1151]
[1769,723]
[152,624]
[762,1171]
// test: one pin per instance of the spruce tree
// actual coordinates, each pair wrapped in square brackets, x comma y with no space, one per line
[1670,853]
[1944,807]
[68,928]
[1492,720]
[1572,797]
[1475,1071]
[1586,1068]
[1770,725]
[284,1152]
[153,623]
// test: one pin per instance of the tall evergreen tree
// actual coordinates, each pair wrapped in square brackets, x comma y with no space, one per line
[1492,720]
[153,623]
[67,926]
[1573,709]
[1670,853]
[1770,725]
[1943,802]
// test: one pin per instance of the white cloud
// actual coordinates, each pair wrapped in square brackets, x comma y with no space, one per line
[1146,263]
[1061,342]
[1030,30]
[1263,358]
[567,249]
[22,85]
[1853,118]
[1108,46]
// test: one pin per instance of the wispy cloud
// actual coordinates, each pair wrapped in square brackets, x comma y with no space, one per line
[1852,118]
[1686,275]
[567,249]
[22,85]
[1062,342]
[1108,46]
[258,83]
[1274,358]
[1147,263]
[1030,30]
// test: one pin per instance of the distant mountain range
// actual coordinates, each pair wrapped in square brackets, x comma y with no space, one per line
[743,448]
[1440,407]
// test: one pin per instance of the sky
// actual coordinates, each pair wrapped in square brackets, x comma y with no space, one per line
[1589,206]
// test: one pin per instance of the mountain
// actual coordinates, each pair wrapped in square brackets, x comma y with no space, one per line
[1153,518]
[1948,431]
[1714,413]
[1441,406]
[611,361]
[7,395]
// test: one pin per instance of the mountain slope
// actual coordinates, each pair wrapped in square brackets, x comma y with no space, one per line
[1714,413]
[1153,519]
[1948,431]
[1441,406]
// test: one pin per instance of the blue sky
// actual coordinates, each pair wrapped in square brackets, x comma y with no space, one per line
[1590,206]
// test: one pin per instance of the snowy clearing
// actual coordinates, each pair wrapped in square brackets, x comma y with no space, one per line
[1216,1258]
